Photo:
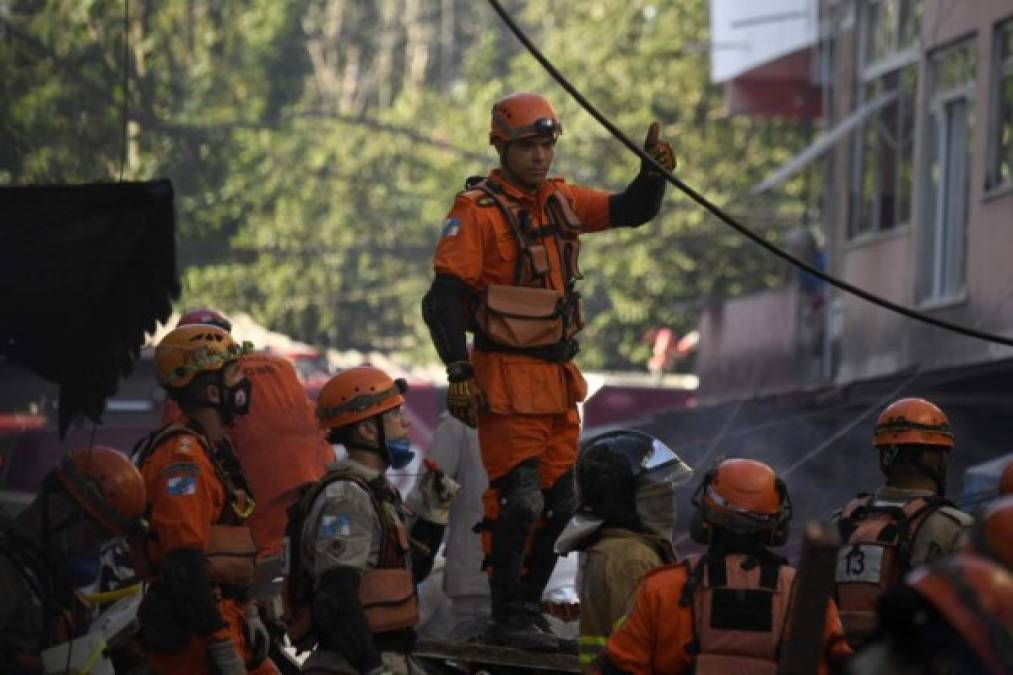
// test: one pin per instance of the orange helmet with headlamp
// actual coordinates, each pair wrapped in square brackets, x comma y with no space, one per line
[523,115]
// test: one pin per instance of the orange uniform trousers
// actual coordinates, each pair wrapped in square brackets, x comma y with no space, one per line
[186,498]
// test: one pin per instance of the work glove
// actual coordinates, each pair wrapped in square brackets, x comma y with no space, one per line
[464,398]
[225,659]
[258,639]
[660,150]
[433,494]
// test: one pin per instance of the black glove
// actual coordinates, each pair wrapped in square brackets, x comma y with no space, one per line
[339,620]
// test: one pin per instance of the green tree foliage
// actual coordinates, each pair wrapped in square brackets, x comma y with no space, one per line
[316,146]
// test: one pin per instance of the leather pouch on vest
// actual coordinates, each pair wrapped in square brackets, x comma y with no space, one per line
[161,631]
[521,316]
[230,554]
[388,599]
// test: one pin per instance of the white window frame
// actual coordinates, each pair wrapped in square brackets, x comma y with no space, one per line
[936,125]
[1002,69]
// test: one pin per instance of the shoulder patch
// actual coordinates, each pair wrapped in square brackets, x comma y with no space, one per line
[181,486]
[486,201]
[338,525]
[451,226]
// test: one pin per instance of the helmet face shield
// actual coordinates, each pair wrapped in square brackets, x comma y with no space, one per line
[650,459]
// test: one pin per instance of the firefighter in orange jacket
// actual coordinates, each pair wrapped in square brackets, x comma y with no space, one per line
[506,269]
[725,611]
[195,617]
[278,443]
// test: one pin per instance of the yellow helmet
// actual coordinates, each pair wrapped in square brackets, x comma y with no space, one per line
[190,350]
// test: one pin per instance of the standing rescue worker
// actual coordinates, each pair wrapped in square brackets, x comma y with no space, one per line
[953,617]
[195,617]
[907,522]
[52,547]
[278,442]
[726,611]
[506,269]
[624,525]
[351,590]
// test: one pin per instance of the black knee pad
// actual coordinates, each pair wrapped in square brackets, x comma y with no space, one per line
[520,499]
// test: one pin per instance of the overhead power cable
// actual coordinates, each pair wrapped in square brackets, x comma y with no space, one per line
[724,217]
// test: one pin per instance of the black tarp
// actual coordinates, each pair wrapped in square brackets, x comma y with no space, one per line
[85,272]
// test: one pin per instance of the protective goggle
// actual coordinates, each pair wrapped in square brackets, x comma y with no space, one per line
[543,126]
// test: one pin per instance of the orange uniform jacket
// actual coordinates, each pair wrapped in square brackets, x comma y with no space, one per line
[186,498]
[657,635]
[278,444]
[479,247]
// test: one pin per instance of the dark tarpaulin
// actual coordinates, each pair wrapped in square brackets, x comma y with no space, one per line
[85,272]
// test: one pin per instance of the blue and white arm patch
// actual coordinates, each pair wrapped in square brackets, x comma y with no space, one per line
[180,486]
[451,226]
[337,525]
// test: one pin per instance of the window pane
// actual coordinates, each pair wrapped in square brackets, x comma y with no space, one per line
[906,142]
[1000,142]
[910,22]
[889,145]
[953,232]
[1004,170]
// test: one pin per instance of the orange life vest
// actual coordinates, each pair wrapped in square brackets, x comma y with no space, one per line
[875,554]
[386,592]
[740,608]
[531,314]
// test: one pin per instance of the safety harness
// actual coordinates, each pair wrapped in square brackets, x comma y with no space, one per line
[739,604]
[517,319]
[230,550]
[386,592]
[876,554]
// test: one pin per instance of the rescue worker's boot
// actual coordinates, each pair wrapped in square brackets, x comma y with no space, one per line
[520,503]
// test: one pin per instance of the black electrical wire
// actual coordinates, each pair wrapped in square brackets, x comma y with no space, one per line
[126,84]
[724,217]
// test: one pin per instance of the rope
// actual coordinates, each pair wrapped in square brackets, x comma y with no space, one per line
[724,217]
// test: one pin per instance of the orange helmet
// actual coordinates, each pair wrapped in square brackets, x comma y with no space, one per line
[745,497]
[106,485]
[994,536]
[523,115]
[975,596]
[1006,480]
[912,421]
[357,394]
[204,316]
[189,350]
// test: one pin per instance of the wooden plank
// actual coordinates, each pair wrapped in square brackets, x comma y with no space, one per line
[490,655]
[814,585]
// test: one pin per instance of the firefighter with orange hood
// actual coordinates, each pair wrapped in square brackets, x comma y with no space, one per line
[196,617]
[506,269]
[905,523]
[52,547]
[726,611]
[351,582]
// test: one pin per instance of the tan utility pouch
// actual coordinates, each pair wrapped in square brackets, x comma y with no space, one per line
[230,554]
[521,316]
[388,597]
